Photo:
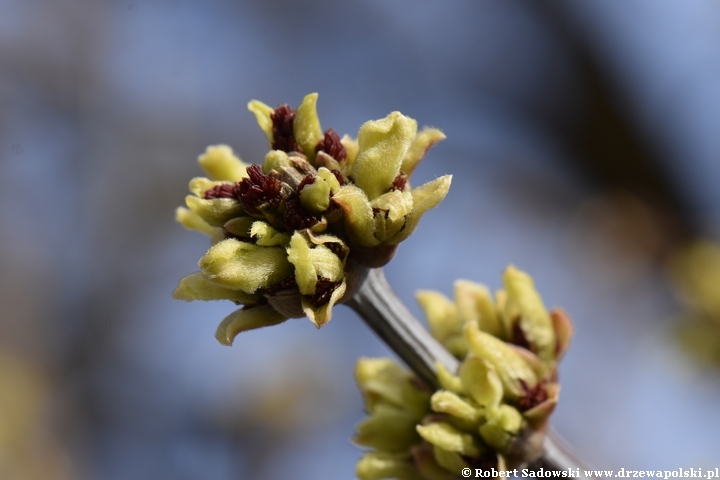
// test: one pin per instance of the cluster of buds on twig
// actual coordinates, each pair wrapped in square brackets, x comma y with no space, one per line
[289,235]
[493,413]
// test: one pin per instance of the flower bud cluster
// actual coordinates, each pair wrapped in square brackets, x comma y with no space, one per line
[288,234]
[493,412]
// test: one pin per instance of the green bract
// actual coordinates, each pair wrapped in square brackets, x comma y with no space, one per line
[290,234]
[494,411]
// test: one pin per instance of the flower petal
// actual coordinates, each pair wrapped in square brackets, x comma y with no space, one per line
[503,423]
[449,438]
[475,304]
[524,303]
[240,226]
[306,126]
[359,221]
[351,149]
[563,331]
[196,287]
[192,221]
[539,415]
[262,115]
[315,196]
[199,185]
[311,263]
[388,428]
[383,144]
[452,461]
[322,314]
[267,236]
[443,401]
[424,197]
[441,314]
[215,211]
[244,266]
[220,163]
[448,381]
[423,141]
[390,211]
[481,381]
[380,465]
[382,381]
[427,464]
[247,319]
[509,365]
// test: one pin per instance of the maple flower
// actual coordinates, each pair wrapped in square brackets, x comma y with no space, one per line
[492,413]
[292,235]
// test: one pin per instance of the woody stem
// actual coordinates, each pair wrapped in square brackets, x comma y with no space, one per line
[391,320]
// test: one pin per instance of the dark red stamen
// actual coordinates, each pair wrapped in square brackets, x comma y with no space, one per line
[519,338]
[258,189]
[339,177]
[400,181]
[221,191]
[296,217]
[324,289]
[332,145]
[337,249]
[532,397]
[307,180]
[283,118]
[285,284]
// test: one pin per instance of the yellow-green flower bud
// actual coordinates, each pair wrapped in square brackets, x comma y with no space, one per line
[475,304]
[512,369]
[306,127]
[424,197]
[390,211]
[267,236]
[359,220]
[263,114]
[531,323]
[247,319]
[502,425]
[220,163]
[449,438]
[482,383]
[448,381]
[315,196]
[192,221]
[445,323]
[244,266]
[384,465]
[382,381]
[450,403]
[423,141]
[425,458]
[383,145]
[240,227]
[215,211]
[388,428]
[196,287]
[351,148]
[275,160]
